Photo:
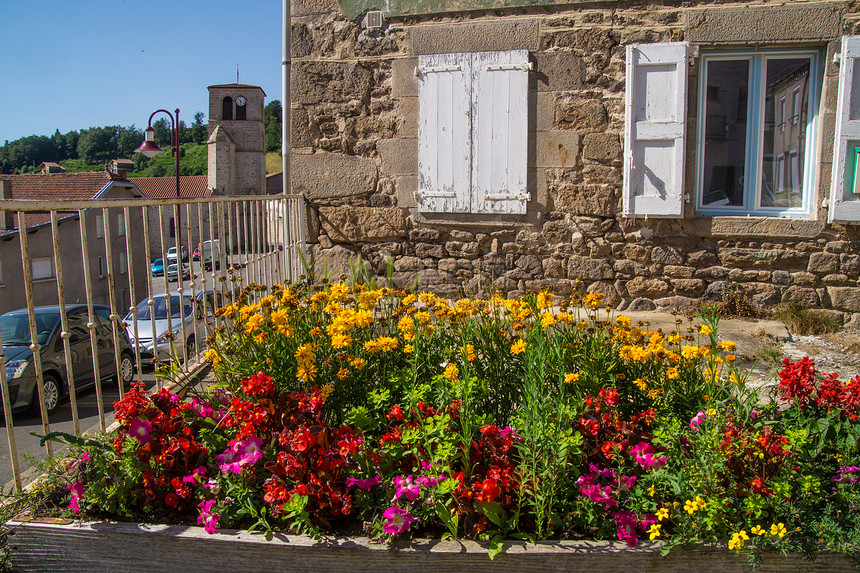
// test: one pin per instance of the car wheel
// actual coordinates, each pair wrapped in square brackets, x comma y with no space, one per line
[53,392]
[189,348]
[126,369]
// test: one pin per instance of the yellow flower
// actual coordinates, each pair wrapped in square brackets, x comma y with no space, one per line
[758,530]
[730,358]
[623,321]
[690,507]
[343,374]
[452,372]
[518,347]
[662,514]
[409,299]
[573,377]
[655,393]
[593,299]
[260,338]
[338,291]
[357,363]
[778,529]
[700,502]
[674,338]
[704,329]
[305,353]
[651,490]
[422,317]
[407,349]
[326,391]
[544,299]
[672,373]
[213,357]
[254,323]
[738,540]
[341,340]
[469,351]
[316,332]
[547,319]
[306,372]
[641,384]
[690,351]
[728,345]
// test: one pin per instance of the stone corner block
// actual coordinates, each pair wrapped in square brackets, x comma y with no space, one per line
[333,175]
[476,37]
[399,156]
[359,224]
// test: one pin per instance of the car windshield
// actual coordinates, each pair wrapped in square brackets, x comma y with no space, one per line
[15,328]
[159,309]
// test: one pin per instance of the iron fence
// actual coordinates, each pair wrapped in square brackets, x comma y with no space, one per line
[85,257]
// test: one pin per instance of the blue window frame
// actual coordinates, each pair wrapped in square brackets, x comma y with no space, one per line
[754,156]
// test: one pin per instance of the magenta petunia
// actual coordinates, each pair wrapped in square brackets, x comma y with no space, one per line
[141,429]
[364,484]
[405,487]
[396,520]
[76,491]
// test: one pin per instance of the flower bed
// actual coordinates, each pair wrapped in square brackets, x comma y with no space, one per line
[380,413]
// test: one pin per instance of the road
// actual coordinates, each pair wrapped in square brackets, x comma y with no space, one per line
[24,423]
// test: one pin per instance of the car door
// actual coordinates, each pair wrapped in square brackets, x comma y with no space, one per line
[79,342]
[104,343]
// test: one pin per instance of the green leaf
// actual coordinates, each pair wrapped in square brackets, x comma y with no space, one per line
[497,545]
[495,513]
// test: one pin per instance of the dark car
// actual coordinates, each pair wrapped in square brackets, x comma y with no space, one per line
[20,369]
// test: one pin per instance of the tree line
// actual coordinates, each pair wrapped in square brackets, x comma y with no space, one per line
[91,148]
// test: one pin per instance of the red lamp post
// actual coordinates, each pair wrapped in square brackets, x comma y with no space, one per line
[151,149]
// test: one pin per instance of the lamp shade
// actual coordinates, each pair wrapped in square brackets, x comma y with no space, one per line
[149,147]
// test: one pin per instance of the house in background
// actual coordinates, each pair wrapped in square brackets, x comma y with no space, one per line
[76,186]
[165,187]
[657,152]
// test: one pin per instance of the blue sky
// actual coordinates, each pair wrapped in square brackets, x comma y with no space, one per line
[70,65]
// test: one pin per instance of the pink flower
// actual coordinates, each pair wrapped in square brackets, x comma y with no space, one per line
[364,484]
[396,520]
[192,477]
[626,523]
[696,421]
[76,491]
[85,457]
[406,488]
[207,518]
[644,456]
[203,409]
[240,455]
[141,429]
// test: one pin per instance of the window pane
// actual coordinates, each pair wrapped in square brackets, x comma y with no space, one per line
[781,179]
[725,132]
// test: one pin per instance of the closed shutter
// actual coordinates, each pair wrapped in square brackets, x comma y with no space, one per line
[655,129]
[844,189]
[444,133]
[500,131]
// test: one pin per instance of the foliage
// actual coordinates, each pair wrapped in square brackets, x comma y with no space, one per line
[342,408]
[193,160]
[272,118]
[802,321]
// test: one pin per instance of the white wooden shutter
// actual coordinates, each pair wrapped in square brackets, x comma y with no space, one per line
[844,202]
[444,133]
[655,129]
[499,131]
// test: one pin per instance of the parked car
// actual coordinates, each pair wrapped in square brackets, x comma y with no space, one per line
[157,268]
[173,272]
[20,369]
[211,250]
[168,340]
[171,254]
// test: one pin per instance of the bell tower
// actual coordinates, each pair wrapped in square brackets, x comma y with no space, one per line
[237,139]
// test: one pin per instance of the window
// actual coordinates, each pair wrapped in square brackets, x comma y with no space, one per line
[123,264]
[227,108]
[100,227]
[473,132]
[102,268]
[759,162]
[120,224]
[42,268]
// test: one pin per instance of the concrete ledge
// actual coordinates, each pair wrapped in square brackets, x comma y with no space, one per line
[765,24]
[476,37]
[63,545]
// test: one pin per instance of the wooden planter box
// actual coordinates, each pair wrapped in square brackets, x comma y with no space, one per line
[64,545]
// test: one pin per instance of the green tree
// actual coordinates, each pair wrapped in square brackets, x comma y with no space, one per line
[198,129]
[98,144]
[272,118]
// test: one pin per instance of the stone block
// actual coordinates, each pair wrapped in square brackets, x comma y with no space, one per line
[545,111]
[558,71]
[762,295]
[332,175]
[405,188]
[804,279]
[689,287]
[588,40]
[712,273]
[636,253]
[425,250]
[764,24]
[581,115]
[310,7]
[398,156]
[676,303]
[666,255]
[602,147]
[804,296]
[578,199]
[408,264]
[641,304]
[556,149]
[759,227]
[764,258]
[425,235]
[360,224]
[629,268]
[743,276]
[678,272]
[314,82]
[301,40]
[554,268]
[404,82]
[301,134]
[850,264]
[462,249]
[407,117]
[475,37]
[589,269]
[334,260]
[845,298]
[823,263]
[608,289]
[644,287]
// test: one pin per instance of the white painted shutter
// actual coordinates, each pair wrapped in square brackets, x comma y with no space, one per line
[844,202]
[499,131]
[444,128]
[655,129]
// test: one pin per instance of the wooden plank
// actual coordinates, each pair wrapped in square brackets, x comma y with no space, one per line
[109,547]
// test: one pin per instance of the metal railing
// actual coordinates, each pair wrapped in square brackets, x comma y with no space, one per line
[101,252]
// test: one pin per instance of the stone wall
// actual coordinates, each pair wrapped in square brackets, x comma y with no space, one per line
[354,136]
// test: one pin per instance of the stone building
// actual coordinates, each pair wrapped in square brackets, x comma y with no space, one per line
[237,140]
[658,151]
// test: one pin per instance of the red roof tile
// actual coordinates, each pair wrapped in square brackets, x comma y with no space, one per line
[55,186]
[160,187]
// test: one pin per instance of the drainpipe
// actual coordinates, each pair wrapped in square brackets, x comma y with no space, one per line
[285,99]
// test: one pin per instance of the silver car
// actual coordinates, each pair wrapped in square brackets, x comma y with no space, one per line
[167,342]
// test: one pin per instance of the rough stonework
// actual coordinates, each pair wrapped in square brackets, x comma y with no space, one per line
[355,137]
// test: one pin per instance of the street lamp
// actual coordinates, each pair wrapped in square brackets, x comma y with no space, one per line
[151,149]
